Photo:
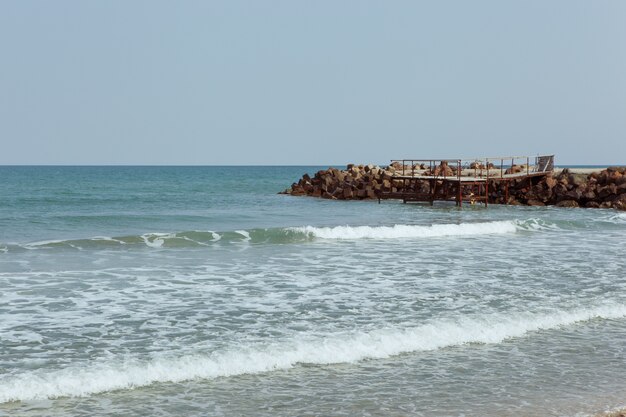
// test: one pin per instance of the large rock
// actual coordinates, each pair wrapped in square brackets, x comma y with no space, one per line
[443,170]
[568,203]
[589,195]
[606,191]
[515,169]
[577,179]
[535,203]
[551,182]
[573,195]
[620,202]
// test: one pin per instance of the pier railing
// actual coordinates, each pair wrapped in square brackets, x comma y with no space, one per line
[479,168]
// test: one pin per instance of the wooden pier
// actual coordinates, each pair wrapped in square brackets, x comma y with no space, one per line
[430,180]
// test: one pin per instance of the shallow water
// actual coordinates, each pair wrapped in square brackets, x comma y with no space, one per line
[200,291]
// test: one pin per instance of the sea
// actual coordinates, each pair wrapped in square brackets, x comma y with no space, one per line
[201,291]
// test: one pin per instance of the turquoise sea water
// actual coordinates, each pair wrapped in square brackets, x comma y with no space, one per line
[171,291]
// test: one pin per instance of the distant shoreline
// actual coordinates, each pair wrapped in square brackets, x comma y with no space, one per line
[579,169]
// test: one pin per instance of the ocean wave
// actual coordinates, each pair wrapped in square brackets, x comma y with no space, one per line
[312,349]
[417,231]
[196,238]
[152,240]
[618,218]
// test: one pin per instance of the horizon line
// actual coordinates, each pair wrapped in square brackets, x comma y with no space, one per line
[242,165]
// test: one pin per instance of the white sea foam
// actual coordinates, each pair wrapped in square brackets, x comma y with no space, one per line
[193,241]
[244,233]
[107,239]
[34,245]
[410,231]
[312,349]
[155,240]
[618,218]
[535,225]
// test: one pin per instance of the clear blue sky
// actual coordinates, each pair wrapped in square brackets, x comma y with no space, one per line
[310,82]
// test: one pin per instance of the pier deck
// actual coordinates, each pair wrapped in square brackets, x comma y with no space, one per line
[430,180]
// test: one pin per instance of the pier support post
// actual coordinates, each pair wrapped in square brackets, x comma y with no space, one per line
[506,193]
[487,193]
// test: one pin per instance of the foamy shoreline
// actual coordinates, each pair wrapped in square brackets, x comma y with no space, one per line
[617,413]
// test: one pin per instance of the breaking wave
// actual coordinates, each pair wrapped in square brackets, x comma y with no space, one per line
[289,235]
[313,349]
[618,218]
[416,231]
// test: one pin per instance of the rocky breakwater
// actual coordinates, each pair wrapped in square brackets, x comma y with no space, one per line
[567,188]
[602,189]
[356,182]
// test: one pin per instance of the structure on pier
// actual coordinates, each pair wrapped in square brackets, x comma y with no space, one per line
[459,180]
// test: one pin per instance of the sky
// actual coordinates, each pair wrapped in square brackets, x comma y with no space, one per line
[310,82]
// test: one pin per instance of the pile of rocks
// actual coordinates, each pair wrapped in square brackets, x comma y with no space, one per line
[604,189]
[356,182]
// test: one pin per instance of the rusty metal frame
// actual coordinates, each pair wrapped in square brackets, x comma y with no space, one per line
[472,174]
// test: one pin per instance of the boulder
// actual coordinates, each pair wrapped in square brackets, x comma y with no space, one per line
[536,203]
[515,169]
[567,203]
[620,202]
[551,182]
[577,179]
[589,195]
[443,170]
[543,194]
[615,176]
[573,195]
[605,191]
